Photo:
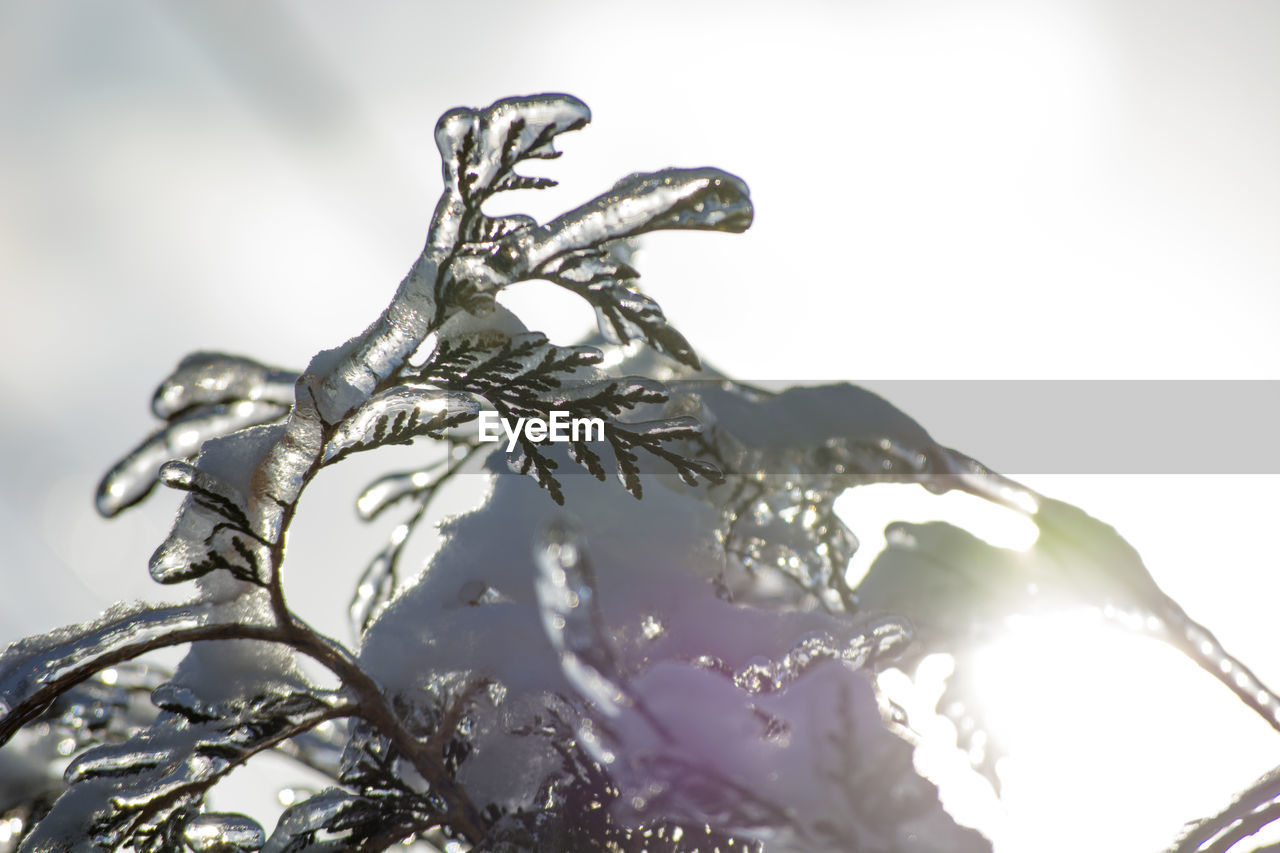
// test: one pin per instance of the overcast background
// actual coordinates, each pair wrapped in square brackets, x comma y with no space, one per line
[986,189]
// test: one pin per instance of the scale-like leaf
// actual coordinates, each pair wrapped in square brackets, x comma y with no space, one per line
[526,376]
[399,415]
[214,530]
[703,199]
[134,790]
[479,150]
[337,821]
[35,670]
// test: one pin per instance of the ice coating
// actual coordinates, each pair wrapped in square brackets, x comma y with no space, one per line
[133,478]
[671,198]
[327,813]
[391,488]
[208,395]
[787,456]
[398,416]
[109,706]
[842,432]
[485,144]
[696,657]
[273,468]
[223,833]
[1249,812]
[152,777]
[214,528]
[29,666]
[205,378]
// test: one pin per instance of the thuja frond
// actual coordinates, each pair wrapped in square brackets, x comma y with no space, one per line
[704,678]
[157,779]
[525,376]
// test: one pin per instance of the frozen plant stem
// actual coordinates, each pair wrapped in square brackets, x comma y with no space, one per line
[371,704]
[713,683]
[244,486]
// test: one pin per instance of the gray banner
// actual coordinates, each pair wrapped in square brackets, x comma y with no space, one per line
[1098,426]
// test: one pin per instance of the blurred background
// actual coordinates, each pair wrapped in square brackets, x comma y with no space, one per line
[985,189]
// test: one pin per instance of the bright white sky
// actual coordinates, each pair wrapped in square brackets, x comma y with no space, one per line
[983,189]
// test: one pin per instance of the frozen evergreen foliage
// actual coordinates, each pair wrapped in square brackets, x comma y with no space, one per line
[574,669]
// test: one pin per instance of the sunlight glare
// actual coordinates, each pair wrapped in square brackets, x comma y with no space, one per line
[1093,721]
[869,509]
